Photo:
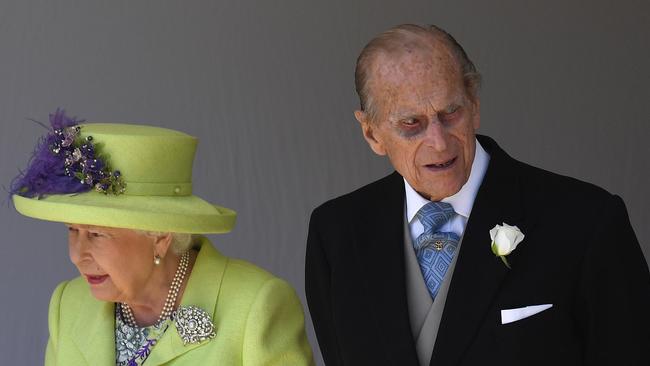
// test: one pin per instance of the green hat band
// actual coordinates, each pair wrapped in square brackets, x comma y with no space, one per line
[157,189]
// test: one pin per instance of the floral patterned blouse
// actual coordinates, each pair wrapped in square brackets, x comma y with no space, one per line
[134,344]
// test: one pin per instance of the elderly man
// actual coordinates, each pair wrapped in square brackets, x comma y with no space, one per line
[403,271]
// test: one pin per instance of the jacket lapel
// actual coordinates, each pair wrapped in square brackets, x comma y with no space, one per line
[379,247]
[202,290]
[479,273]
[94,332]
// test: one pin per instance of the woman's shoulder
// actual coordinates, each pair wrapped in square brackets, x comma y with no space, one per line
[240,288]
[246,278]
[70,289]
[242,269]
[70,299]
[239,272]
[250,281]
[257,294]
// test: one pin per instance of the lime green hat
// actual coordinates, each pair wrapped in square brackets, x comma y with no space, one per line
[149,187]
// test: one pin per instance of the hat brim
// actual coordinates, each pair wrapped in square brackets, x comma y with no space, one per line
[178,214]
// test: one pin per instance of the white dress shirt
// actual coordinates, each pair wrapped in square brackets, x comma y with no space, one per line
[462,201]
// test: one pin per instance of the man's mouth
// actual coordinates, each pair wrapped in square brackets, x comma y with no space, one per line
[96,280]
[442,166]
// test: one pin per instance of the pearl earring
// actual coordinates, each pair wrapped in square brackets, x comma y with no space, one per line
[156,259]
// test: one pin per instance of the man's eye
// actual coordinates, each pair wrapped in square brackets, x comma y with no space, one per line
[450,116]
[410,121]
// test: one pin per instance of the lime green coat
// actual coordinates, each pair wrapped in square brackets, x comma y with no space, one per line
[258,320]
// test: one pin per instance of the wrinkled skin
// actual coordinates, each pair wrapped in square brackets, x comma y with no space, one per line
[424,120]
[118,266]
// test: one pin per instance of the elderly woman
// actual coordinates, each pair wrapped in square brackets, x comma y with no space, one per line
[151,291]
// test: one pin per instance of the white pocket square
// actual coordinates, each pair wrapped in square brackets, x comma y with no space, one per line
[512,315]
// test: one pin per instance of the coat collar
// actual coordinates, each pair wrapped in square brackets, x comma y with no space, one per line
[478,273]
[202,290]
[94,330]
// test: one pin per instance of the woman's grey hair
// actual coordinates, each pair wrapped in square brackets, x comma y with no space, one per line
[396,40]
[181,242]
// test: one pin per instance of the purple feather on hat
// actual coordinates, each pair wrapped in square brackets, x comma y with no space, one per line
[46,173]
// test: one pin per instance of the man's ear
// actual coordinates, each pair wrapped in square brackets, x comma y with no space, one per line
[369,132]
[162,244]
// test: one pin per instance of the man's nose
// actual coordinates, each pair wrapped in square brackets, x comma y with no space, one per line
[436,136]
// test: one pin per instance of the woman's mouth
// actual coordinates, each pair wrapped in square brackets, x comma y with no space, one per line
[96,280]
[443,166]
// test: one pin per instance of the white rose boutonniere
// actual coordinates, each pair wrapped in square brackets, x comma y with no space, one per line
[504,240]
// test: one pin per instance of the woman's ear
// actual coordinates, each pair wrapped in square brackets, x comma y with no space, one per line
[162,244]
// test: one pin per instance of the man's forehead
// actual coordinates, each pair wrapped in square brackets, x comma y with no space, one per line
[395,67]
[424,53]
[390,68]
[415,78]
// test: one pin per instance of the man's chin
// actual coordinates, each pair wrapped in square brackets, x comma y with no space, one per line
[441,185]
[441,196]
[441,190]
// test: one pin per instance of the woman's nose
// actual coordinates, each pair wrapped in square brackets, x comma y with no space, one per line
[77,247]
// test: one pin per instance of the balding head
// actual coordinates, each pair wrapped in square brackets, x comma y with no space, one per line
[408,40]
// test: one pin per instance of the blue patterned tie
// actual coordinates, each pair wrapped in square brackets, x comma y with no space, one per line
[434,249]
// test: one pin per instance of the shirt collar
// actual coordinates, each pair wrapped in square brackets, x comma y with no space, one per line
[463,200]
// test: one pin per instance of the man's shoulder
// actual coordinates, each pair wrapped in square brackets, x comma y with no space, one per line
[541,184]
[547,185]
[353,203]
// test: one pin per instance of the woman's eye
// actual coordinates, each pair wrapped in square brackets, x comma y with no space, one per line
[96,235]
[72,230]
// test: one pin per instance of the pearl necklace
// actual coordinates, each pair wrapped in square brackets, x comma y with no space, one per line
[170,301]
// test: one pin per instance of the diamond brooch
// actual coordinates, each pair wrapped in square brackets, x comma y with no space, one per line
[194,325]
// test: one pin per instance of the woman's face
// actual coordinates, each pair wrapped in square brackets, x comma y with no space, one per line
[116,263]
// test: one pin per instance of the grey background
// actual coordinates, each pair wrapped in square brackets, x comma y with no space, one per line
[268,88]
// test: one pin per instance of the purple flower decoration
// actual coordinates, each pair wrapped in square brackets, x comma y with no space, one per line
[144,352]
[65,163]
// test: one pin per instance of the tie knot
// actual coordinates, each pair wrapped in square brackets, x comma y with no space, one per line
[434,214]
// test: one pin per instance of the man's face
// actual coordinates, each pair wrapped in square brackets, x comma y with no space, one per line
[424,120]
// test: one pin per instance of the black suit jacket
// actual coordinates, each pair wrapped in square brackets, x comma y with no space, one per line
[579,254]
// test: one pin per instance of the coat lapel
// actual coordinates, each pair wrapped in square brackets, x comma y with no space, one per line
[202,290]
[94,332]
[379,247]
[479,273]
